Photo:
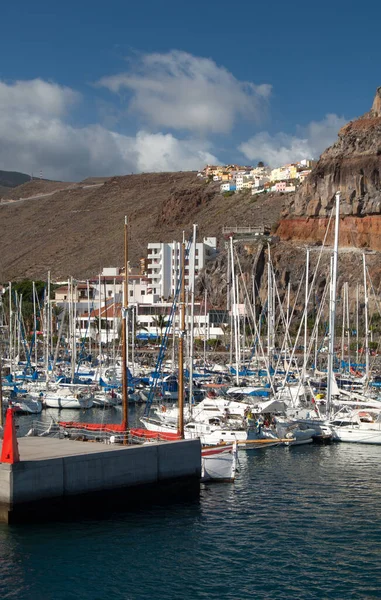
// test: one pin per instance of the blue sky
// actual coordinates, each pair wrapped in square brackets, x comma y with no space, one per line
[92,88]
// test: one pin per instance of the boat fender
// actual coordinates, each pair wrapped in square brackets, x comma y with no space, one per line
[163,408]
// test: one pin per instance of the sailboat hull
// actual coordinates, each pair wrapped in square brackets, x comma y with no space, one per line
[357,435]
[219,463]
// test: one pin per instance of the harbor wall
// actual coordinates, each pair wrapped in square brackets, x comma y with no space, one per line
[32,484]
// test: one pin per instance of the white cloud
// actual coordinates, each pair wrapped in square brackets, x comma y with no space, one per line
[164,152]
[181,91]
[36,96]
[282,148]
[34,135]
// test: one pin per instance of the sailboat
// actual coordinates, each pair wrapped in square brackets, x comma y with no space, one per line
[361,426]
[119,431]
[219,460]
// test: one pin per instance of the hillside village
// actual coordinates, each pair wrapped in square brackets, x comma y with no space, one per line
[259,179]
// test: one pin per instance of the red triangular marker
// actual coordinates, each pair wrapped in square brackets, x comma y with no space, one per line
[10,450]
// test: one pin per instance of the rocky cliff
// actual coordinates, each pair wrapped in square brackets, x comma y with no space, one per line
[352,165]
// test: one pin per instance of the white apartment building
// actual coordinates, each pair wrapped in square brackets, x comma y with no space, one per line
[210,326]
[106,322]
[239,182]
[164,264]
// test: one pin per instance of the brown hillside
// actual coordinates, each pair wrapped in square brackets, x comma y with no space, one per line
[79,230]
[33,188]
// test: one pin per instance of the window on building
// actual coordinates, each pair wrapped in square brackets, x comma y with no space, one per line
[131,292]
[110,293]
[143,292]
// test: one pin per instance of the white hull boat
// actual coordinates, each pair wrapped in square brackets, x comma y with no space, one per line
[208,434]
[358,428]
[77,401]
[219,463]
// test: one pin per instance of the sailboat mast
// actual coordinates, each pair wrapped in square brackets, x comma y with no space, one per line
[332,307]
[48,324]
[348,331]
[34,322]
[10,330]
[366,301]
[269,311]
[181,341]
[124,330]
[234,309]
[88,316]
[192,278]
[357,324]
[100,325]
[306,314]
[205,325]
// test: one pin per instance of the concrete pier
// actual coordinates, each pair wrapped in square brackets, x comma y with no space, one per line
[53,470]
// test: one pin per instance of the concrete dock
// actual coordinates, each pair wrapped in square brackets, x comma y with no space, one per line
[52,471]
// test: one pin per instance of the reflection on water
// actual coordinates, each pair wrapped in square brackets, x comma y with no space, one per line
[93,415]
[298,523]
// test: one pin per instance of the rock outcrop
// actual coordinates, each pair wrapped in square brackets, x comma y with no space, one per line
[352,165]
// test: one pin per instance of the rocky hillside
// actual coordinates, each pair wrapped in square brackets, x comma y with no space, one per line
[289,264]
[79,230]
[353,166]
[11,179]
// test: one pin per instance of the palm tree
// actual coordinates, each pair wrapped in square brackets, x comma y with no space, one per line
[138,326]
[160,323]
[56,311]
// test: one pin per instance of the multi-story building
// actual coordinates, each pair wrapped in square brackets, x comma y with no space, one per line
[164,264]
[211,325]
[280,186]
[239,182]
[228,187]
[302,175]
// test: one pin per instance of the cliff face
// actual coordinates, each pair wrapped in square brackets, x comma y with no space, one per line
[289,264]
[352,165]
[356,232]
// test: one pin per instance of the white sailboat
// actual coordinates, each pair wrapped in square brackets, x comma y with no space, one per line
[359,427]
[66,398]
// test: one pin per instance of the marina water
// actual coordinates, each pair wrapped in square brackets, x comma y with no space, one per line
[298,523]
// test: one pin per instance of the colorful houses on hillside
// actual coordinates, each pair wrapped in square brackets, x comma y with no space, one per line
[235,178]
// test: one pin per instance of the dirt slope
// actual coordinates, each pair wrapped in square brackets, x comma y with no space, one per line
[79,230]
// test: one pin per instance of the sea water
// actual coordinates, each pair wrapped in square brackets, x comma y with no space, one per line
[298,523]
